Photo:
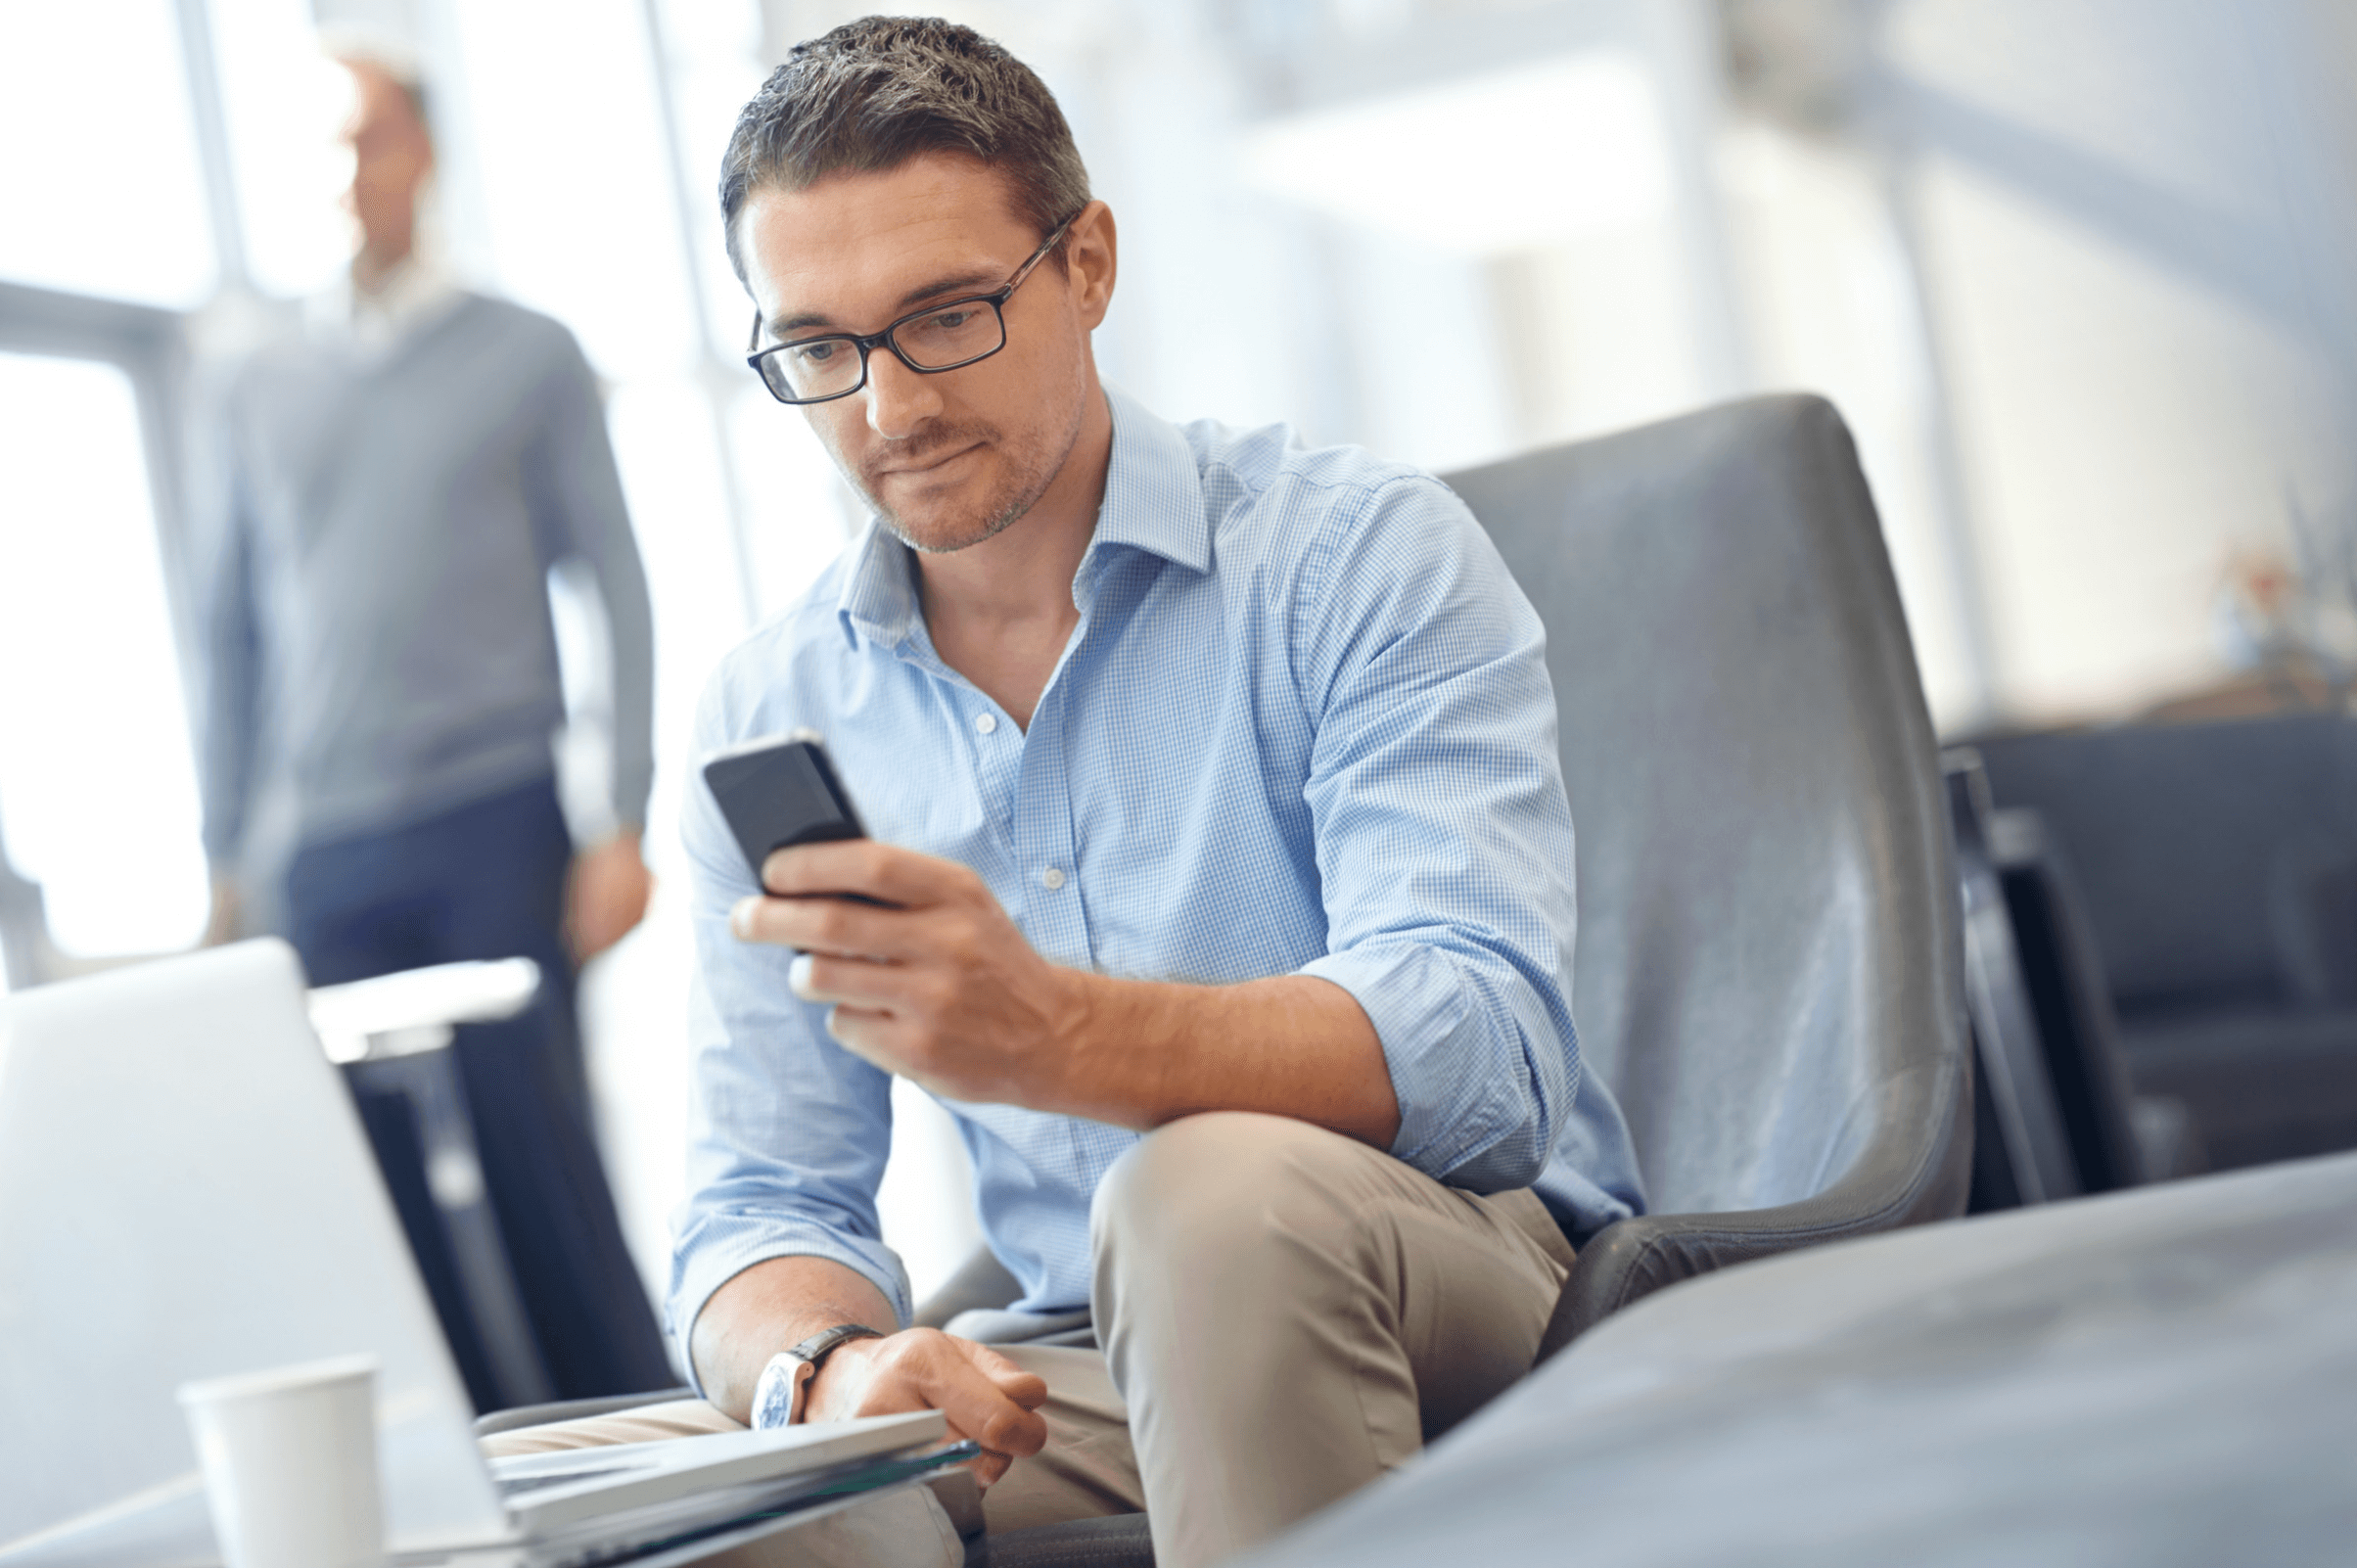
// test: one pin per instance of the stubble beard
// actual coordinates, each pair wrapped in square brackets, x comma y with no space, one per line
[1033,473]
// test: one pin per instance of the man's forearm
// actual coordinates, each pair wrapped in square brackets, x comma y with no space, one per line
[770,1306]
[928,978]
[1146,1052]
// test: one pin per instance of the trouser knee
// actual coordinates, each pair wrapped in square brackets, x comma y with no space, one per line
[1220,1185]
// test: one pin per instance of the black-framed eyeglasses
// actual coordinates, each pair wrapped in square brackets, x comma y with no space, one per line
[941,337]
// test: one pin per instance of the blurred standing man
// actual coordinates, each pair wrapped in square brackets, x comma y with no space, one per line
[381,693]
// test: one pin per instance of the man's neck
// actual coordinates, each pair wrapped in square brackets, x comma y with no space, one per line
[375,268]
[1000,612]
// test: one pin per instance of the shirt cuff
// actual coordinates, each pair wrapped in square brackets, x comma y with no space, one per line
[1418,1001]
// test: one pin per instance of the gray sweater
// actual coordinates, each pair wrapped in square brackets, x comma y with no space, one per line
[373,606]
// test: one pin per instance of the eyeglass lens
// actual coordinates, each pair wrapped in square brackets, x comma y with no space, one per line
[938,339]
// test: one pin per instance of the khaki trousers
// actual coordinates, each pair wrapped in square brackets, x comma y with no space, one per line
[1286,1313]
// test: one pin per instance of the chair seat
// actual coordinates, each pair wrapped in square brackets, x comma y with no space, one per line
[1119,1541]
[2157,1376]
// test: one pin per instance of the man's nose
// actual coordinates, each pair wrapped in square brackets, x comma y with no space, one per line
[899,400]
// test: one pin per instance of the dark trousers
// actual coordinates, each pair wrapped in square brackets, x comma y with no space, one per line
[487,880]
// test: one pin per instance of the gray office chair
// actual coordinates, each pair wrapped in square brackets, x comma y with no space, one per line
[1769,964]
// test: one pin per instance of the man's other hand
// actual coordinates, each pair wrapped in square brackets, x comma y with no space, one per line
[605,896]
[225,921]
[982,1394]
[939,987]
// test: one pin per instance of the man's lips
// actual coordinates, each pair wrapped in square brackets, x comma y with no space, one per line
[926,465]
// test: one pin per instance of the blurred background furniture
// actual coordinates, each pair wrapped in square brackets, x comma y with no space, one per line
[2021,1152]
[2216,865]
[2157,1377]
[391,1037]
[2054,1113]
[488,1211]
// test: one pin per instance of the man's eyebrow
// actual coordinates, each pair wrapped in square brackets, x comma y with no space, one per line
[977,282]
[957,283]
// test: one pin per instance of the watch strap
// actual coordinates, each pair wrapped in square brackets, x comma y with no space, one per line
[780,1395]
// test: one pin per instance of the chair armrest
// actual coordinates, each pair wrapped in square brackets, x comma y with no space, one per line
[1903,1178]
[981,1281]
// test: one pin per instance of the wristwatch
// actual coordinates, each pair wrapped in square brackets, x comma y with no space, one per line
[778,1398]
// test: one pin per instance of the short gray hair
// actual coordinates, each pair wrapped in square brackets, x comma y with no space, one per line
[874,93]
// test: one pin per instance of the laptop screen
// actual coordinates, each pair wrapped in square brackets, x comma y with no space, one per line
[186,1192]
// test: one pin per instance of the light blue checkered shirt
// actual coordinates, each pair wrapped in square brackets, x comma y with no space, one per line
[1304,726]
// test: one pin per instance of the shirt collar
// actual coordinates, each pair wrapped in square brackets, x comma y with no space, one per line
[1153,493]
[879,590]
[1153,502]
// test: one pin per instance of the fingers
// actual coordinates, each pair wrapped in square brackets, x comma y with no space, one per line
[824,925]
[884,986]
[982,1394]
[872,870]
[976,1402]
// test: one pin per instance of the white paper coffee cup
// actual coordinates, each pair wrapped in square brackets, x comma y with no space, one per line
[289,1460]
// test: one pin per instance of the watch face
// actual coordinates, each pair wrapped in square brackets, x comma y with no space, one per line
[773,1395]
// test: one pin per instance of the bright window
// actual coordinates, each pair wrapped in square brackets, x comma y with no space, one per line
[98,791]
[99,187]
[284,103]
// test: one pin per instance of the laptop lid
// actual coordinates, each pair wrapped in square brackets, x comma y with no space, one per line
[186,1191]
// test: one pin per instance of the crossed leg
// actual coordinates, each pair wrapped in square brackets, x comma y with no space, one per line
[1288,1313]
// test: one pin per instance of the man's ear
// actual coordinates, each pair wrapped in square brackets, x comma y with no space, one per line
[1091,257]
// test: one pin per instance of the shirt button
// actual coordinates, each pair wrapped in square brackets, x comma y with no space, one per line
[986,722]
[1052,878]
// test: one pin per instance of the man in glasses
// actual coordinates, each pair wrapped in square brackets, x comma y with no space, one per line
[1219,880]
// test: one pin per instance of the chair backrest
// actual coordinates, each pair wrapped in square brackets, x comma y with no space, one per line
[2023,1149]
[2076,1026]
[1769,961]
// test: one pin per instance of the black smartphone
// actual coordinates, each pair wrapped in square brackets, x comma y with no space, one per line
[780,792]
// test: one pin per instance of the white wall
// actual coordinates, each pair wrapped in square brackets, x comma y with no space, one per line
[2132,239]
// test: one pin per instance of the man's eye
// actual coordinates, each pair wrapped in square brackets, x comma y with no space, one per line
[951,320]
[821,352]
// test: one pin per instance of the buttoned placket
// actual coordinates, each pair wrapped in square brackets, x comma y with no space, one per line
[1022,781]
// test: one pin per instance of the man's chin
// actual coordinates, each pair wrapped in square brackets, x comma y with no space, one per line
[945,530]
[935,536]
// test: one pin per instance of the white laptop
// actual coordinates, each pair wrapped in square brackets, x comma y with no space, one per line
[186,1192]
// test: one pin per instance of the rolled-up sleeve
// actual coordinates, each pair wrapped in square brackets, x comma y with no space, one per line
[787,1132]
[1444,839]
